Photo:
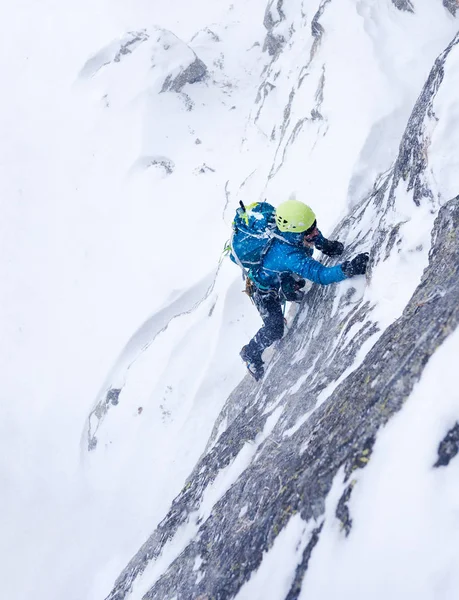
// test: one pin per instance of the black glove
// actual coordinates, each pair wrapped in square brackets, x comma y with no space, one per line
[299,283]
[356,266]
[291,287]
[334,248]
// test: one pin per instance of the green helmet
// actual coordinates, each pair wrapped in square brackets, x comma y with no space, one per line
[295,216]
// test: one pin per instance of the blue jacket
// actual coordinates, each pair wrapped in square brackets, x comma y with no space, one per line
[282,258]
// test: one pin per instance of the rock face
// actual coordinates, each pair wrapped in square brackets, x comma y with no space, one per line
[406,5]
[451,5]
[448,448]
[194,72]
[316,413]
[274,15]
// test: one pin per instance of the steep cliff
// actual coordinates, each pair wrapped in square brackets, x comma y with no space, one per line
[287,456]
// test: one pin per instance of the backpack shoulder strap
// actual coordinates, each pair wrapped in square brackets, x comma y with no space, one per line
[276,235]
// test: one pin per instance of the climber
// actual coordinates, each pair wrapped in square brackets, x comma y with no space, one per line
[284,264]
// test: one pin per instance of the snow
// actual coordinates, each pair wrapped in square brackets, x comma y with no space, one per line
[443,159]
[400,497]
[277,569]
[97,293]
[210,497]
[401,70]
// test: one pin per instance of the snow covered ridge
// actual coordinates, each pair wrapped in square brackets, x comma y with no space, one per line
[286,473]
[173,60]
[174,94]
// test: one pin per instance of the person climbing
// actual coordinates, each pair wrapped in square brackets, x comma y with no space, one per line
[274,248]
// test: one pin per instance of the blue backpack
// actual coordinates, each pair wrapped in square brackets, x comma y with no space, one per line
[253,233]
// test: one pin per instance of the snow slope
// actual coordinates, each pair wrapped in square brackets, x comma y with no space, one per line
[128,136]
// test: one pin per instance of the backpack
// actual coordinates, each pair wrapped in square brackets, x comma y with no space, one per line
[253,233]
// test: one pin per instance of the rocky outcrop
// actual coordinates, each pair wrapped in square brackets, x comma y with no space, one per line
[169,54]
[317,413]
[452,6]
[194,72]
[448,447]
[274,15]
[405,5]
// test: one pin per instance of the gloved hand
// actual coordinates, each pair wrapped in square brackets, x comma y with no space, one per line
[334,248]
[291,288]
[299,283]
[356,266]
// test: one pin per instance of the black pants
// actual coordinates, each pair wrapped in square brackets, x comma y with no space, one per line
[269,306]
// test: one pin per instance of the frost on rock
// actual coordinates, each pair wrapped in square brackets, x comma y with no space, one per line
[317,29]
[342,509]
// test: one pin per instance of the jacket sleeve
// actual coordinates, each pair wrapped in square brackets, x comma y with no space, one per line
[297,261]
[328,247]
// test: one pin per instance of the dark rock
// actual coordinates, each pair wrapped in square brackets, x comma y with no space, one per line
[195,72]
[303,566]
[412,158]
[451,5]
[273,42]
[270,20]
[92,444]
[113,396]
[315,115]
[362,458]
[405,5]
[342,510]
[317,32]
[448,447]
